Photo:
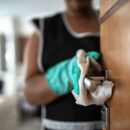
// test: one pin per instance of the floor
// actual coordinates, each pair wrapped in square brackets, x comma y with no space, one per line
[9,117]
[9,110]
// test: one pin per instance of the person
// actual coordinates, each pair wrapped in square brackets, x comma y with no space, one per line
[57,39]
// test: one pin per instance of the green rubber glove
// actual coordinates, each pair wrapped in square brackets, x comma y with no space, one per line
[62,77]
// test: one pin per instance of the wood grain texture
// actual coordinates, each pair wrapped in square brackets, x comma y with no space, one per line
[115,47]
[106,5]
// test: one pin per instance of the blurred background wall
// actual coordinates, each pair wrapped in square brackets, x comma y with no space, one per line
[15,29]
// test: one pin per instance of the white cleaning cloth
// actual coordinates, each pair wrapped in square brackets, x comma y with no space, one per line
[98,92]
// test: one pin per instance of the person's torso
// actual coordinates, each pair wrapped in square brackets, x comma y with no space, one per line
[60,44]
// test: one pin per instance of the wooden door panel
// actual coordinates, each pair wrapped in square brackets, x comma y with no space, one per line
[106,5]
[115,47]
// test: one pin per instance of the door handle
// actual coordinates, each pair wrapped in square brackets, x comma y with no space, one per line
[105,110]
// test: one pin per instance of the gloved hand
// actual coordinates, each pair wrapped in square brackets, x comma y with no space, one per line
[61,76]
[91,88]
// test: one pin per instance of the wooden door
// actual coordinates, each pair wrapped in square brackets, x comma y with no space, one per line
[115,47]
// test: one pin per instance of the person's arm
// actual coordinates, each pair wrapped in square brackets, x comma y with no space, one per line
[36,89]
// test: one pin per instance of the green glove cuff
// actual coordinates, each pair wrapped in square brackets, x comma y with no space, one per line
[60,77]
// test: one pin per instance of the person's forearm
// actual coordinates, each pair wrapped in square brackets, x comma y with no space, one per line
[37,91]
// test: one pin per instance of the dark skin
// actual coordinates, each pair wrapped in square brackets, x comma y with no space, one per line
[81,18]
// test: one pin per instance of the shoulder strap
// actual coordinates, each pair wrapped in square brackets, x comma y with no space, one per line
[113,9]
